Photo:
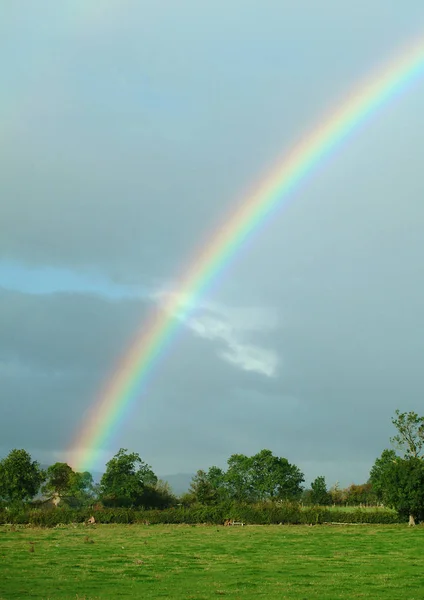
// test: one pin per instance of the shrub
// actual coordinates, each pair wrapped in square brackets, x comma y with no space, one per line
[266,513]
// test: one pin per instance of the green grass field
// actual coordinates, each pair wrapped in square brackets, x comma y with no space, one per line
[135,561]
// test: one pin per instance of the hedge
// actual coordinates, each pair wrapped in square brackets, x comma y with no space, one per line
[265,514]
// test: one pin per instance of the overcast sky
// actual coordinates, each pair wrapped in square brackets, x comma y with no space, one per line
[129,129]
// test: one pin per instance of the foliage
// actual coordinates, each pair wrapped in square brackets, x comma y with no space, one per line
[125,478]
[274,477]
[399,482]
[217,480]
[261,477]
[82,487]
[59,479]
[319,493]
[248,479]
[238,478]
[76,489]
[201,489]
[380,472]
[337,495]
[410,436]
[360,494]
[157,496]
[404,487]
[20,477]
[263,513]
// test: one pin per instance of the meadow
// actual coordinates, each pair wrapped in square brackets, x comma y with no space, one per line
[202,562]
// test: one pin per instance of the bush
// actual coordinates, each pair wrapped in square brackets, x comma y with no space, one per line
[358,515]
[251,514]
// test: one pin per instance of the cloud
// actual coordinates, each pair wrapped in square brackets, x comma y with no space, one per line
[247,357]
[129,133]
[230,327]
[58,350]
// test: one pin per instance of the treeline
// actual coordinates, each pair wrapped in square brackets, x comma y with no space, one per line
[131,483]
[265,480]
[127,482]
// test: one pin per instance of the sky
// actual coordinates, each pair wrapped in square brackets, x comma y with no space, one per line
[129,130]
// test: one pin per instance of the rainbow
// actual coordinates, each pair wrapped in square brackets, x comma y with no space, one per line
[136,367]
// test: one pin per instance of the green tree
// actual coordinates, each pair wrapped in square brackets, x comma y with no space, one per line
[201,489]
[158,496]
[399,481]
[82,488]
[337,495]
[262,477]
[239,478]
[360,494]
[410,435]
[82,483]
[20,477]
[125,478]
[380,472]
[274,477]
[216,478]
[319,493]
[59,479]
[404,489]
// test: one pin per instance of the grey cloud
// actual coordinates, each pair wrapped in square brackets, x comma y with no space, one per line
[59,332]
[129,136]
[58,350]
[100,171]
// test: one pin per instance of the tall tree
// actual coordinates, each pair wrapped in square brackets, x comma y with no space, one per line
[159,495]
[59,479]
[239,478]
[380,471]
[125,477]
[319,493]
[399,481]
[410,435]
[263,477]
[404,489]
[201,489]
[274,477]
[82,488]
[20,477]
[360,494]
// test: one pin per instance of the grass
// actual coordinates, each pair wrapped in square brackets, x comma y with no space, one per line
[135,561]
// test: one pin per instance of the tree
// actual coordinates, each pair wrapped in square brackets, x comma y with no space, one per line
[62,481]
[360,494]
[399,481]
[319,493]
[82,483]
[59,479]
[201,489]
[239,478]
[336,494]
[158,496]
[404,489]
[263,477]
[410,436]
[216,478]
[274,477]
[380,472]
[20,477]
[125,478]
[82,488]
